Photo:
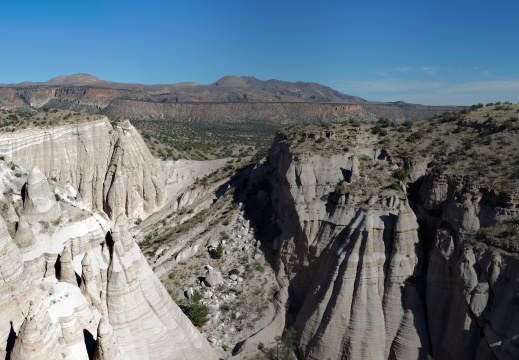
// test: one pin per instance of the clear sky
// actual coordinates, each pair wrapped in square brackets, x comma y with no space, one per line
[429,52]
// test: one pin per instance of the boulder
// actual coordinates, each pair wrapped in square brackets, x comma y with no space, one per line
[213,278]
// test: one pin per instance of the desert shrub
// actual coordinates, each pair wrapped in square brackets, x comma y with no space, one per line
[219,251]
[58,198]
[452,158]
[511,231]
[234,272]
[195,311]
[394,185]
[384,122]
[18,175]
[414,137]
[400,174]
[284,347]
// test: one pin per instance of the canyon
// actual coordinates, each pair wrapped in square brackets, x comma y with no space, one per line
[378,241]
[74,283]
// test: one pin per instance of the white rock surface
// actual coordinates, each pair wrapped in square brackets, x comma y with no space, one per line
[50,319]
[111,169]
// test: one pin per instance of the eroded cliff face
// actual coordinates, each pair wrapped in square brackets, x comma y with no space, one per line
[111,168]
[383,269]
[75,285]
[352,260]
[472,286]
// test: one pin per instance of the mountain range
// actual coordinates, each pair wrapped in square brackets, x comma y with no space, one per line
[274,100]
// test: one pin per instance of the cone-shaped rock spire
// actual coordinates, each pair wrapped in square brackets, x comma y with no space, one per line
[24,238]
[67,272]
[29,343]
[39,200]
[11,214]
[355,173]
[107,347]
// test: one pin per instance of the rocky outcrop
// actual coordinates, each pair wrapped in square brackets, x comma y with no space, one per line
[352,259]
[119,310]
[107,347]
[478,281]
[213,278]
[39,200]
[111,169]
[134,296]
[133,184]
[380,271]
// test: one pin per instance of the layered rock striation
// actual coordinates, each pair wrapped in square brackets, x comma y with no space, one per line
[75,285]
[351,266]
[110,168]
[381,268]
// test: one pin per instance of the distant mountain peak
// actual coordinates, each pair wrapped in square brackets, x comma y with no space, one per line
[232,80]
[75,79]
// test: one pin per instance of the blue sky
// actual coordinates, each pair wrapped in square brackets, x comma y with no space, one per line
[429,52]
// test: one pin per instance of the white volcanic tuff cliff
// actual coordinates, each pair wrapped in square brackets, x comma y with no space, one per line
[351,269]
[354,261]
[134,184]
[359,294]
[50,319]
[139,307]
[112,169]
[473,290]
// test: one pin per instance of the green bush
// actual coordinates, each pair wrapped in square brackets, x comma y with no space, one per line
[18,175]
[414,137]
[511,231]
[195,311]
[234,272]
[400,174]
[394,185]
[219,251]
[58,198]
[284,347]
